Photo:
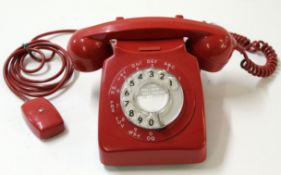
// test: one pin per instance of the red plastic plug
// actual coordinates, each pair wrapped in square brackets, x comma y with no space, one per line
[43,118]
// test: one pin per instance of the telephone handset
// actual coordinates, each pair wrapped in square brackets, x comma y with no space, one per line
[151,108]
[211,44]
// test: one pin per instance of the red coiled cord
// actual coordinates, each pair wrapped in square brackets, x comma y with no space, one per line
[245,44]
[15,66]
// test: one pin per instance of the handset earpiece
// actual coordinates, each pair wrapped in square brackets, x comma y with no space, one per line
[87,54]
[212,51]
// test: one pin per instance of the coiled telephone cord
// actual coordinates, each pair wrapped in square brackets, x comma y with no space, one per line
[245,44]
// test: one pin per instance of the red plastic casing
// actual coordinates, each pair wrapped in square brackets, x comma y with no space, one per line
[43,118]
[122,143]
[126,45]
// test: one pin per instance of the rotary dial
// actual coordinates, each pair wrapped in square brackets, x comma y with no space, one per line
[151,98]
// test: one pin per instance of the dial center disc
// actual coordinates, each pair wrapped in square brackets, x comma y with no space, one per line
[151,97]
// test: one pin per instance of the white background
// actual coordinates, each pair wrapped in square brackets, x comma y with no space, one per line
[242,112]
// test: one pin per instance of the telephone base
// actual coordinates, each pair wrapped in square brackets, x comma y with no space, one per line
[153,157]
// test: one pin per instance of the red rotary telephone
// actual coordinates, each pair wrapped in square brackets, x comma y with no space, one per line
[151,103]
